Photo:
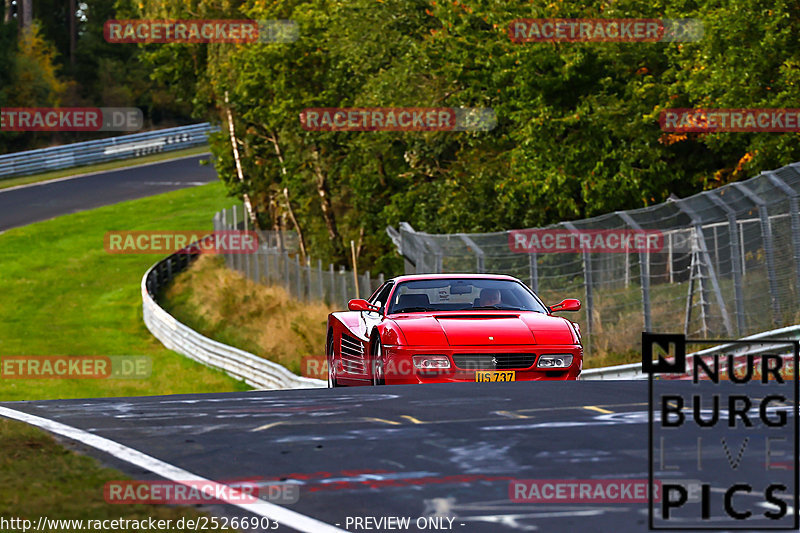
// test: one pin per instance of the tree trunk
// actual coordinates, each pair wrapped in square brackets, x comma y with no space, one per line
[26,13]
[7,12]
[73,31]
[327,209]
[251,211]
[300,237]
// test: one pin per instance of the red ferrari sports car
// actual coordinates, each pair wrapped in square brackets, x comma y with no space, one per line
[452,327]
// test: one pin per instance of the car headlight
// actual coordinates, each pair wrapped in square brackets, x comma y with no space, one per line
[431,362]
[560,360]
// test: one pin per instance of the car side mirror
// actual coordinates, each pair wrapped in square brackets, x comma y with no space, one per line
[570,304]
[361,305]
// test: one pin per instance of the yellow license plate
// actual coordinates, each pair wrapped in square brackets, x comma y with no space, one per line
[492,375]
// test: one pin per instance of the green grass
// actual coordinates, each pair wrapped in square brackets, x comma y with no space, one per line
[111,165]
[62,294]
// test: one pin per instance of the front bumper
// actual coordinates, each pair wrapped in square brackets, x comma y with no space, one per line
[399,367]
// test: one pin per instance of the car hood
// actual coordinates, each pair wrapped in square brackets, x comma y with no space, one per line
[484,329]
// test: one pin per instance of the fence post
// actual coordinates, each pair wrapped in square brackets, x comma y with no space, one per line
[794,210]
[669,255]
[257,259]
[299,280]
[736,267]
[479,253]
[533,267]
[368,284]
[766,233]
[703,249]
[245,259]
[234,224]
[321,283]
[587,278]
[286,275]
[225,256]
[644,272]
[344,285]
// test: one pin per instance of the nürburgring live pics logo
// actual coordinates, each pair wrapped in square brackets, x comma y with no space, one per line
[729,422]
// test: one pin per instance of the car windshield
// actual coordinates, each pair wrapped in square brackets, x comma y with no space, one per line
[462,294]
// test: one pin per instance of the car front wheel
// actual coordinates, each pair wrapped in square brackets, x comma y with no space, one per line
[378,377]
[331,367]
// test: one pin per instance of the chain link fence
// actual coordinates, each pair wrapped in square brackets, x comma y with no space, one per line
[277,262]
[726,264]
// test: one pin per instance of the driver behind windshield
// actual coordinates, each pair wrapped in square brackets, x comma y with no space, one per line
[489,297]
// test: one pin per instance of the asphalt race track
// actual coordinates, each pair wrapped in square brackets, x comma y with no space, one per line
[431,451]
[29,204]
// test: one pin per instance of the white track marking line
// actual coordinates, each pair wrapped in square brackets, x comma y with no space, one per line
[280,514]
[76,176]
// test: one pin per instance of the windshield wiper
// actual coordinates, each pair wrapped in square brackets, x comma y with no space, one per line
[412,310]
[502,308]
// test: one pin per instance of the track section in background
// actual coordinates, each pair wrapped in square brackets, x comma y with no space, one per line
[409,451]
[46,200]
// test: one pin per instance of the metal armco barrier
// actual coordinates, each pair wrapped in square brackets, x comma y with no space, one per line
[103,150]
[634,370]
[253,370]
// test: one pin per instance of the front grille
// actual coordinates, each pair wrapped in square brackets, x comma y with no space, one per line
[494,361]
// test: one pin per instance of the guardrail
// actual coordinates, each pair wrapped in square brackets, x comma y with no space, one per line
[634,370]
[102,150]
[253,370]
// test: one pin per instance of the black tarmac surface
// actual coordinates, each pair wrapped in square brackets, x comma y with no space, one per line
[447,451]
[21,206]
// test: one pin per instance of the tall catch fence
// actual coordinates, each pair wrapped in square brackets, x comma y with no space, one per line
[277,262]
[725,263]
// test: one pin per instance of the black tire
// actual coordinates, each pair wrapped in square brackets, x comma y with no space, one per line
[331,367]
[378,376]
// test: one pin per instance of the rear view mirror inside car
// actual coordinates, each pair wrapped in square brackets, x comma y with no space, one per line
[460,288]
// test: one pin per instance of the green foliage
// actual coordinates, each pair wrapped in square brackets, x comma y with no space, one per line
[577,131]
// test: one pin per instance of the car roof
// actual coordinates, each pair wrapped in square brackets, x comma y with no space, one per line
[411,277]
